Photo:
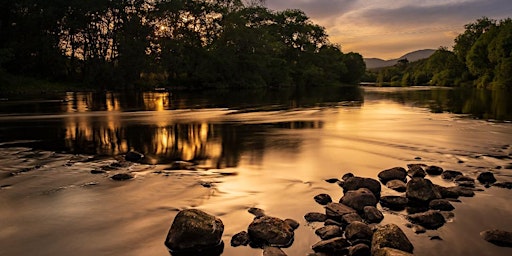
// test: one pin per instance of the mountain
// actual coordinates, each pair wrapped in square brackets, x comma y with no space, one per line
[412,56]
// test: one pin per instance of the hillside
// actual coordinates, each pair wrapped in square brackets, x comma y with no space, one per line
[411,56]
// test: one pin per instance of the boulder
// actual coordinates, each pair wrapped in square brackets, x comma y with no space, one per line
[336,210]
[460,191]
[271,231]
[430,219]
[349,218]
[241,238]
[450,175]
[497,237]
[359,250]
[506,184]
[323,199]
[434,170]
[273,251]
[416,170]
[460,178]
[328,232]
[346,176]
[331,222]
[195,231]
[390,235]
[397,185]
[257,212]
[133,156]
[395,173]
[293,223]
[315,216]
[337,245]
[390,252]
[122,176]
[486,178]
[372,214]
[422,190]
[355,183]
[358,199]
[358,230]
[395,203]
[441,205]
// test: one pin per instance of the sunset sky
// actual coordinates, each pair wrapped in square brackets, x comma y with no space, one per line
[389,29]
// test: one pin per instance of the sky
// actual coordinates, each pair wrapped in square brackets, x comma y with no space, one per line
[389,29]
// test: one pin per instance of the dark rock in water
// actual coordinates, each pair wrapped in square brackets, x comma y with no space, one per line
[416,170]
[413,208]
[466,184]
[447,193]
[463,178]
[435,238]
[331,222]
[241,238]
[390,252]
[328,232]
[434,170]
[372,214]
[323,199]
[356,183]
[332,180]
[315,216]
[395,173]
[416,228]
[133,156]
[461,191]
[422,190]
[508,166]
[397,185]
[358,199]
[450,175]
[358,230]
[97,171]
[341,183]
[486,178]
[257,212]
[441,204]
[359,250]
[271,231]
[293,223]
[182,165]
[430,219]
[506,184]
[194,231]
[122,176]
[497,237]
[336,210]
[390,235]
[350,218]
[273,251]
[346,176]
[337,245]
[395,203]
[362,241]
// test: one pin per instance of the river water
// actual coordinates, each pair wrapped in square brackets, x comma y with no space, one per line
[268,149]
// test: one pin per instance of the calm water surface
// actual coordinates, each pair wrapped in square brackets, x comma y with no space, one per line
[266,149]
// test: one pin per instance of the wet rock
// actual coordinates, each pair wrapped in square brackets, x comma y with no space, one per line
[430,219]
[133,156]
[257,212]
[358,199]
[450,175]
[273,251]
[506,184]
[350,218]
[341,183]
[241,238]
[434,170]
[466,184]
[315,216]
[390,235]
[486,178]
[293,223]
[98,171]
[346,176]
[194,231]
[497,237]
[435,238]
[181,165]
[413,208]
[355,183]
[395,173]
[372,214]
[416,228]
[460,191]
[441,204]
[359,250]
[323,199]
[271,231]
[122,176]
[390,252]
[416,170]
[332,180]
[397,185]
[395,203]
[328,232]
[336,210]
[460,178]
[331,222]
[422,190]
[358,230]
[447,193]
[337,245]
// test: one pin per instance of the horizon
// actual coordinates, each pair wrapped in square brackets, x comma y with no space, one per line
[384,30]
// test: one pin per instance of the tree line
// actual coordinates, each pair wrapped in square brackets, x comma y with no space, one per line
[481,57]
[193,43]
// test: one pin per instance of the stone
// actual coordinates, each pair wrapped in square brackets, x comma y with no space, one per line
[390,252]
[418,229]
[466,184]
[328,232]
[497,237]
[346,176]
[270,231]
[336,210]
[372,214]
[450,175]
[434,170]
[395,203]
[355,183]
[133,156]
[181,165]
[506,184]
[257,212]
[332,180]
[397,185]
[293,223]
[430,219]
[460,191]
[358,230]
[122,176]
[323,199]
[390,235]
[486,178]
[395,173]
[446,192]
[97,171]
[337,245]
[241,238]
[331,222]
[273,251]
[194,231]
[359,250]
[315,216]
[422,190]
[358,199]
[349,218]
[416,170]
[463,178]
[441,204]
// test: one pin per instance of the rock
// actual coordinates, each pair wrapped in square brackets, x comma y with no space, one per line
[460,178]
[486,178]
[446,192]
[430,219]
[372,214]
[397,185]
[293,223]
[133,156]
[422,190]
[466,184]
[497,237]
[355,183]
[450,175]
[359,250]
[435,238]
[395,173]
[390,235]
[346,176]
[358,199]
[349,218]
[273,251]
[506,184]
[460,191]
[395,203]
[270,231]
[122,176]
[328,232]
[323,199]
[181,165]
[97,171]
[194,231]
[418,229]
[336,210]
[330,222]
[241,238]
[434,170]
[315,216]
[416,170]
[337,245]
[257,212]
[332,180]
[390,252]
[358,230]
[441,204]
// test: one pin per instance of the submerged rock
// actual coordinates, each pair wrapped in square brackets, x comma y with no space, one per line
[430,219]
[395,173]
[271,231]
[497,237]
[122,176]
[358,199]
[391,236]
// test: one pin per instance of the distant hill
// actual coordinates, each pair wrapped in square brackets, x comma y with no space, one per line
[412,56]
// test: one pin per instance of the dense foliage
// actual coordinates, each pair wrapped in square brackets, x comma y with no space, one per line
[195,43]
[481,56]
